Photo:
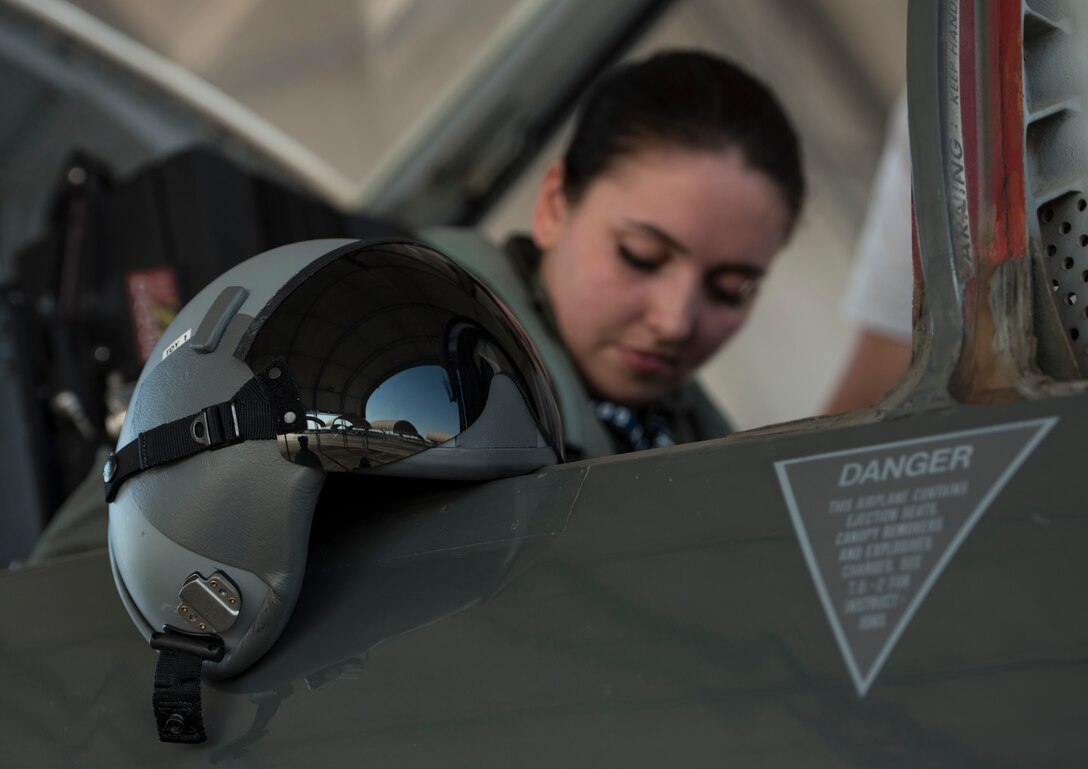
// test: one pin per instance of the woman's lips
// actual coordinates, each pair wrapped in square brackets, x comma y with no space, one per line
[645,362]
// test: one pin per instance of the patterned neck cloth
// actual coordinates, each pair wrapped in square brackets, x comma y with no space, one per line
[625,424]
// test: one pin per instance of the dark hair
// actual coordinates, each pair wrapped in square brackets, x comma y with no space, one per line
[691,100]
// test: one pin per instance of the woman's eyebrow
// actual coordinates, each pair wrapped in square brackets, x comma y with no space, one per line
[655,231]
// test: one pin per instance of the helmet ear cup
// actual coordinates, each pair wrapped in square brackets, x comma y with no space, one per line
[248,515]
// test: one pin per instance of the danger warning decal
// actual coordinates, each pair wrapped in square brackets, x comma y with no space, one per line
[879,523]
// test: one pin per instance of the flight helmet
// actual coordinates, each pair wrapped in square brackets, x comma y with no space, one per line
[331,356]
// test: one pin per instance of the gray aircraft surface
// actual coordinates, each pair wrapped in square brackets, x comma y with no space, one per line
[891,587]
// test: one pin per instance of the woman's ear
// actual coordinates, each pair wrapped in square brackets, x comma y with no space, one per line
[550,208]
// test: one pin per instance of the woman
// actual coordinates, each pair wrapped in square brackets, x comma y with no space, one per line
[651,234]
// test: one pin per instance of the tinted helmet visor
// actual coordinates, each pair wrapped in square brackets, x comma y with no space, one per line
[393,350]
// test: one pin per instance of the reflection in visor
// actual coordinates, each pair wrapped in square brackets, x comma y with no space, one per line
[397,399]
[393,349]
[335,444]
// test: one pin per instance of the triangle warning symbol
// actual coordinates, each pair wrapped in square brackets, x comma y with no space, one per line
[878,524]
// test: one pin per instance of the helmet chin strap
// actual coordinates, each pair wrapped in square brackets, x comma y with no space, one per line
[176,701]
[266,406]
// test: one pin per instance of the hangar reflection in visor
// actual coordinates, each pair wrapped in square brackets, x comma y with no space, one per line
[421,395]
[413,410]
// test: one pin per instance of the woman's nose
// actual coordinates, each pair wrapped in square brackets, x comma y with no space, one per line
[673,307]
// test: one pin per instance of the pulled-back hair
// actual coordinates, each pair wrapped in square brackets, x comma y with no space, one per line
[689,100]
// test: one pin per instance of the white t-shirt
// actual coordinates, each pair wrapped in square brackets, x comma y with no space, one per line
[880,289]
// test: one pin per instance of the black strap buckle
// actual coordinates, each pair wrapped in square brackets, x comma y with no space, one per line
[207,647]
[246,417]
[216,426]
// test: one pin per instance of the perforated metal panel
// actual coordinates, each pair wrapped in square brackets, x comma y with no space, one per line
[1063,227]
[1056,133]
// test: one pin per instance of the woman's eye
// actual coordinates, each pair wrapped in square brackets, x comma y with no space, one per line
[733,293]
[637,260]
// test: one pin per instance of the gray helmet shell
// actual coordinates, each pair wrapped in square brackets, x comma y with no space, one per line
[216,541]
